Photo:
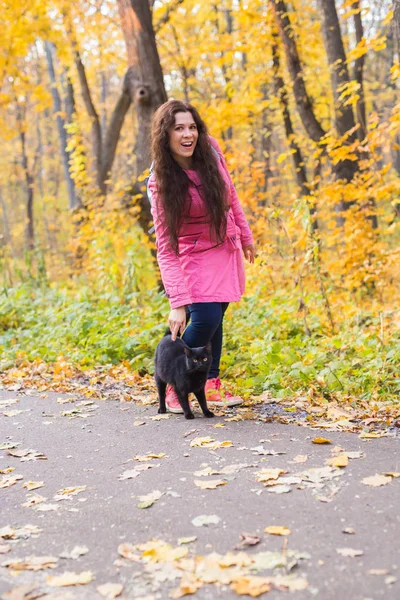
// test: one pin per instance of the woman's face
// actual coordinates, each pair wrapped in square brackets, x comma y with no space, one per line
[183,138]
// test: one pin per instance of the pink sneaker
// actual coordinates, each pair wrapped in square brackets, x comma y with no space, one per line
[217,396]
[172,402]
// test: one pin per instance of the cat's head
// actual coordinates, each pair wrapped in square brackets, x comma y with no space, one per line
[198,359]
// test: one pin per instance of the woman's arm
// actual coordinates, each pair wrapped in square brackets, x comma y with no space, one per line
[171,272]
[240,217]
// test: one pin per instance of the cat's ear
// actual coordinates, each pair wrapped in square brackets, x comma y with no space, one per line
[208,347]
[187,351]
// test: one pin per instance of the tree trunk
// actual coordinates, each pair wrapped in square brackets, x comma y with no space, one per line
[145,78]
[303,101]
[396,20]
[146,88]
[29,226]
[298,159]
[104,144]
[74,202]
[344,117]
[359,74]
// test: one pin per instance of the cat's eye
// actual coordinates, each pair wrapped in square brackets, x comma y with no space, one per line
[195,360]
[205,359]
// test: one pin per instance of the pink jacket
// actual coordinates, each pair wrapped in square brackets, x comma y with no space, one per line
[204,270]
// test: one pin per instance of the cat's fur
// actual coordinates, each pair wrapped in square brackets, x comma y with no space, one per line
[186,369]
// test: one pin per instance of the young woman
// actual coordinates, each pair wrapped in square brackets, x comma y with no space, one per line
[201,233]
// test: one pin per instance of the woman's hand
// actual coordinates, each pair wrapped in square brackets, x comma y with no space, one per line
[177,321]
[249,253]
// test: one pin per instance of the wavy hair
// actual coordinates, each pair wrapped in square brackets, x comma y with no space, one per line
[172,181]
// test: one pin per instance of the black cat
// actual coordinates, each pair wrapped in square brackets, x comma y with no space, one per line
[184,368]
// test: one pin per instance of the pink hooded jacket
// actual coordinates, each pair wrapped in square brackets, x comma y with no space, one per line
[204,270]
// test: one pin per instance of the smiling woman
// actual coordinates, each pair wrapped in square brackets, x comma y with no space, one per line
[200,232]
[183,139]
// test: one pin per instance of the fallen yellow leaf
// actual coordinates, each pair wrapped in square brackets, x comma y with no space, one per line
[33,485]
[277,530]
[160,551]
[376,480]
[186,587]
[110,590]
[300,458]
[149,456]
[321,440]
[128,551]
[341,460]
[187,540]
[70,578]
[349,552]
[251,586]
[210,484]
[268,474]
[31,563]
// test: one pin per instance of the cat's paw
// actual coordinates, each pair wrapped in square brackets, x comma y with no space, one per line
[162,411]
[189,416]
[208,414]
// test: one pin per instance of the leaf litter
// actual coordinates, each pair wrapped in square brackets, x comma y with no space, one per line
[243,572]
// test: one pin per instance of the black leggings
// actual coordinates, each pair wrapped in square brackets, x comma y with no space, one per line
[206,326]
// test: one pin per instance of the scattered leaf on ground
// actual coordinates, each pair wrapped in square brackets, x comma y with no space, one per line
[300,458]
[160,551]
[33,485]
[279,489]
[128,551]
[378,571]
[159,417]
[75,553]
[149,456]
[321,440]
[70,491]
[277,530]
[210,443]
[129,475]
[33,499]
[251,586]
[4,548]
[29,591]
[70,578]
[11,533]
[110,590]
[268,474]
[249,539]
[349,530]
[209,484]
[9,480]
[148,500]
[186,587]
[31,563]
[186,540]
[204,520]
[349,552]
[376,480]
[341,460]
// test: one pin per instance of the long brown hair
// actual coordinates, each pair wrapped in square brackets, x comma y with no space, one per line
[172,181]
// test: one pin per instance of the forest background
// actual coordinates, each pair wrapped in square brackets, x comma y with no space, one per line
[303,97]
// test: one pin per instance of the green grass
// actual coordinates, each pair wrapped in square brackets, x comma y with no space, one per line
[266,347]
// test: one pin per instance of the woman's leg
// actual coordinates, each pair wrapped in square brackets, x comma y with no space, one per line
[216,344]
[205,318]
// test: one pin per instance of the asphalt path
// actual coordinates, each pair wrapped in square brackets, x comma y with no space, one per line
[344,534]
